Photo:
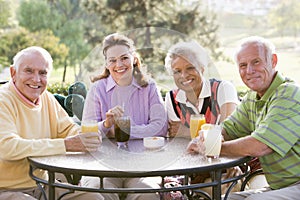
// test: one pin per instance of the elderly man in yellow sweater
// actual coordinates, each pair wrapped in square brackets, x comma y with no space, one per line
[34,124]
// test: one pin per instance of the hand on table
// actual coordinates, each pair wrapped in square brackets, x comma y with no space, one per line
[83,142]
[112,114]
[176,129]
[196,146]
[173,128]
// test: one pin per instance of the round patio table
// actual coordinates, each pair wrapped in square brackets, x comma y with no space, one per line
[135,161]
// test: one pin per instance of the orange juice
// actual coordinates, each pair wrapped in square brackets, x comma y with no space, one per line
[89,126]
[196,122]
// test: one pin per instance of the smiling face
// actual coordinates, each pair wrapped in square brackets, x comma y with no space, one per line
[186,76]
[256,71]
[119,62]
[31,75]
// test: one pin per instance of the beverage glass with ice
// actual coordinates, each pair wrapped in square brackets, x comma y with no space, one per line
[89,126]
[122,130]
[212,141]
[196,121]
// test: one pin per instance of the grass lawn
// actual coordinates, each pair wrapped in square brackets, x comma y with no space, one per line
[57,75]
[233,27]
[288,63]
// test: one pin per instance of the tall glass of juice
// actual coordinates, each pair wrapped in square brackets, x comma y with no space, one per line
[196,122]
[89,126]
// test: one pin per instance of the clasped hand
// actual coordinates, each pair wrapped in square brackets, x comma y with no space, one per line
[111,114]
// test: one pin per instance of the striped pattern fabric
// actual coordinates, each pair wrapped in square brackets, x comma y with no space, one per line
[274,120]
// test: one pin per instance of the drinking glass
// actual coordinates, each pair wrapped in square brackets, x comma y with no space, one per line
[89,126]
[196,122]
[122,131]
[212,141]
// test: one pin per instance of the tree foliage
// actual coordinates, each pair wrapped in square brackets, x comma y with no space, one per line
[14,41]
[5,13]
[186,19]
[65,18]
[36,15]
[82,24]
[285,18]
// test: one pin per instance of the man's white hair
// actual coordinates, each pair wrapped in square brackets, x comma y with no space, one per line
[266,44]
[33,49]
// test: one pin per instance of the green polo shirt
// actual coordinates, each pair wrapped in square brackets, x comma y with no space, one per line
[275,121]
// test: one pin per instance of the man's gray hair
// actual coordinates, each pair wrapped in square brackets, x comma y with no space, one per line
[191,51]
[33,49]
[266,44]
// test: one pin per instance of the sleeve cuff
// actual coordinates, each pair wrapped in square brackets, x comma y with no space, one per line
[102,128]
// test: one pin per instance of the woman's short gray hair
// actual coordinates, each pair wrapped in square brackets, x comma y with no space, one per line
[33,49]
[191,51]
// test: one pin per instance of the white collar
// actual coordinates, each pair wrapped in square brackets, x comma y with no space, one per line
[205,92]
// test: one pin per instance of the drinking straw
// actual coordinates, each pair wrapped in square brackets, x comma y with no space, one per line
[218,119]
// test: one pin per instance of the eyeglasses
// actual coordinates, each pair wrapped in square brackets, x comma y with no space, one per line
[188,70]
[125,59]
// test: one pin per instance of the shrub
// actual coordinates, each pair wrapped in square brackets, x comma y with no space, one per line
[59,88]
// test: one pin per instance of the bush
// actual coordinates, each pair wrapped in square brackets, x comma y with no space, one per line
[59,88]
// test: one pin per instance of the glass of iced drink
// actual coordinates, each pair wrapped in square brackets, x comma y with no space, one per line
[196,122]
[212,140]
[122,130]
[89,126]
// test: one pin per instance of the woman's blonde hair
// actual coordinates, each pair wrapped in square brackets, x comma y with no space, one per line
[119,39]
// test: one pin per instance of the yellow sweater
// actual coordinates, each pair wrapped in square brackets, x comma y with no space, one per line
[27,130]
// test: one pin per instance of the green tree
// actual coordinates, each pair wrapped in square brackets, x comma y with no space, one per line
[72,32]
[15,40]
[285,18]
[186,19]
[5,13]
[35,15]
[67,23]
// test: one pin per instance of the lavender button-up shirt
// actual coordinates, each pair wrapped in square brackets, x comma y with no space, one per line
[144,106]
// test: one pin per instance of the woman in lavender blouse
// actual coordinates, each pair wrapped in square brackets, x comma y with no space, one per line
[122,89]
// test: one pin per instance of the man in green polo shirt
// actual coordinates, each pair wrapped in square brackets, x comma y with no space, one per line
[267,122]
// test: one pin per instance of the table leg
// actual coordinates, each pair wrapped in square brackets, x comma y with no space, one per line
[217,189]
[51,187]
